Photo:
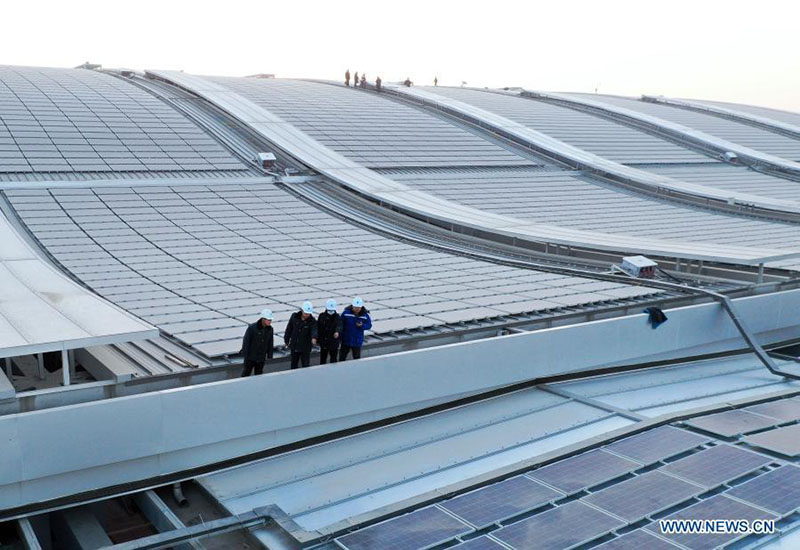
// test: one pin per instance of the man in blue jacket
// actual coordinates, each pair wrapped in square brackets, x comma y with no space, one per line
[355,320]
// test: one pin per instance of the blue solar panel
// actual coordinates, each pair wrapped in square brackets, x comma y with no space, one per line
[586,470]
[637,540]
[657,444]
[500,501]
[716,507]
[420,529]
[562,527]
[643,495]
[784,410]
[732,423]
[481,543]
[778,490]
[717,465]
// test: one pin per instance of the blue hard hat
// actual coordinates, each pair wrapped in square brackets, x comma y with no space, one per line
[358,302]
[307,307]
[330,305]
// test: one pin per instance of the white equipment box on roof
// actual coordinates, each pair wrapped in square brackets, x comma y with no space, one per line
[639,266]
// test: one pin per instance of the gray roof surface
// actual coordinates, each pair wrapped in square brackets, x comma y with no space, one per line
[592,133]
[71,120]
[734,178]
[736,132]
[775,114]
[569,199]
[371,130]
[201,262]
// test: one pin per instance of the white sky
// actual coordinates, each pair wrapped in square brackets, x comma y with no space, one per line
[744,51]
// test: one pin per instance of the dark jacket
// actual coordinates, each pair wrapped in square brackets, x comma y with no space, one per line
[327,325]
[257,344]
[299,333]
[352,334]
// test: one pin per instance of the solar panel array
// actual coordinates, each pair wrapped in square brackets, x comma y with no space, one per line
[583,130]
[500,501]
[70,120]
[585,470]
[420,529]
[371,130]
[528,517]
[777,491]
[643,495]
[656,444]
[717,465]
[637,540]
[732,423]
[727,129]
[716,507]
[480,543]
[784,441]
[567,199]
[784,410]
[562,527]
[200,262]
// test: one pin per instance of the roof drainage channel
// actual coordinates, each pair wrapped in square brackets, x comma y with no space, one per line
[679,131]
[615,171]
[378,188]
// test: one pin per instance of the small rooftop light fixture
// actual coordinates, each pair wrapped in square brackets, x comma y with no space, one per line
[266,160]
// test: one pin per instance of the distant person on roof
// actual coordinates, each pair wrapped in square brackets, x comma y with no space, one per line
[378,83]
[257,344]
[355,80]
[355,320]
[435,81]
[363,81]
[329,328]
[347,77]
[301,335]
[407,82]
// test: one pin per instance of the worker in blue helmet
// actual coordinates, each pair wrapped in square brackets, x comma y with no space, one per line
[329,328]
[301,335]
[257,344]
[355,320]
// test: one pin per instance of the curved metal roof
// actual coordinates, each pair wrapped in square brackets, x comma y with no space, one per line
[73,120]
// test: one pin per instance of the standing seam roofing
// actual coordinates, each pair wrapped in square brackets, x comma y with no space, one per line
[70,120]
[373,131]
[736,132]
[200,262]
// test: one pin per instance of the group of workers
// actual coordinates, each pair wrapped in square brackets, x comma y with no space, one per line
[338,335]
[362,83]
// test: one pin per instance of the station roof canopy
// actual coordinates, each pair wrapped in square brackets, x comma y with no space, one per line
[42,310]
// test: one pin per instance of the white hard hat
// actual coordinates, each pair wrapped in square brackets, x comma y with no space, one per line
[266,314]
[330,305]
[358,302]
[307,307]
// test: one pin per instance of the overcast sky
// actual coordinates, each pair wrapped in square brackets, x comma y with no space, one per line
[723,50]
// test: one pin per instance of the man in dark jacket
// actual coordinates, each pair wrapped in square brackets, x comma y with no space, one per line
[301,335]
[257,344]
[347,77]
[329,327]
[355,320]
